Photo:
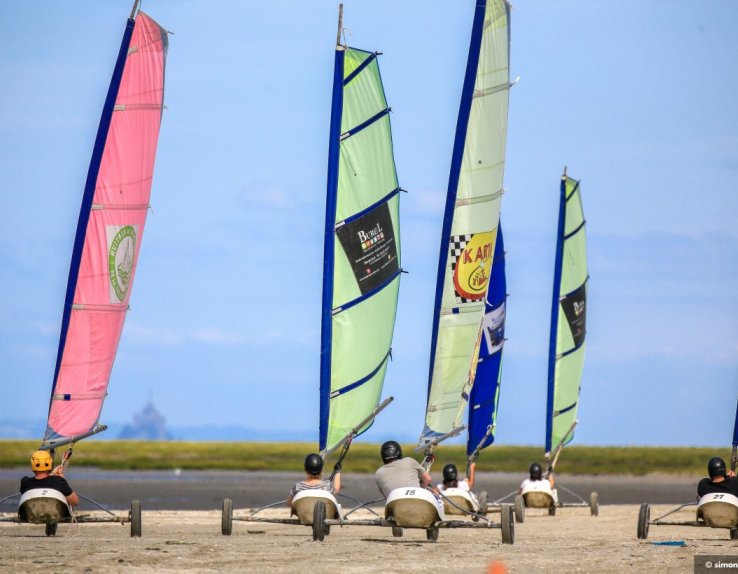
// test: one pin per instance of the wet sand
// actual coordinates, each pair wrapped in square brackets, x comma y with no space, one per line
[571,541]
[205,490]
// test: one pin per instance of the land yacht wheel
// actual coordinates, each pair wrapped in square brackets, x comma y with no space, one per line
[226,519]
[483,499]
[594,505]
[319,521]
[51,529]
[397,531]
[519,508]
[135,519]
[734,534]
[432,534]
[508,524]
[644,515]
[552,510]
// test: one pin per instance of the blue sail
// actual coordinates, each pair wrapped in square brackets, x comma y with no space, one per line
[486,390]
[735,428]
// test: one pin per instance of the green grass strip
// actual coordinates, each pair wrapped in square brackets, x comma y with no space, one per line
[362,458]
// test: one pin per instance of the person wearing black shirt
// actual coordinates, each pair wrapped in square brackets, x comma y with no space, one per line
[720,481]
[43,477]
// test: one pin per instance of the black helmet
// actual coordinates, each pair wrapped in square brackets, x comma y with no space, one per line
[313,464]
[716,467]
[450,473]
[390,451]
[536,471]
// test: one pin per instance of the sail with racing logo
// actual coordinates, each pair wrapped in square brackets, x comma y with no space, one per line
[470,219]
[109,233]
[361,271]
[568,318]
[485,392]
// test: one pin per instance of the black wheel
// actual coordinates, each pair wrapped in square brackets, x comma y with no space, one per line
[432,534]
[397,531]
[519,508]
[483,500]
[326,529]
[594,505]
[319,521]
[135,519]
[644,515]
[226,518]
[508,524]
[552,510]
[734,534]
[51,529]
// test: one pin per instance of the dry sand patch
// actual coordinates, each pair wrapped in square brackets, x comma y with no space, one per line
[572,541]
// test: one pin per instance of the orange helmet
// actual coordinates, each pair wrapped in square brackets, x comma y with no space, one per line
[41,460]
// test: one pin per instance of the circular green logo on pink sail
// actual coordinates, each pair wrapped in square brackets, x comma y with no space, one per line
[120,260]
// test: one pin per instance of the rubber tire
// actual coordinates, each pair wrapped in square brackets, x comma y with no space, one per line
[508,524]
[552,510]
[319,521]
[483,500]
[226,518]
[397,531]
[644,515]
[326,529]
[432,534]
[135,519]
[519,509]
[51,529]
[594,504]
[734,534]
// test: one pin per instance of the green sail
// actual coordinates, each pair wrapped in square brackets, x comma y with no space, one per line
[362,263]
[568,318]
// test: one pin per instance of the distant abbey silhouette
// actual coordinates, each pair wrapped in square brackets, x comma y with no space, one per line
[149,424]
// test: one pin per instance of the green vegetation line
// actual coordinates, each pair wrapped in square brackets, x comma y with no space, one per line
[363,458]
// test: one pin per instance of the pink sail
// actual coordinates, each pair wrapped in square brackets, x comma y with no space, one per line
[103,272]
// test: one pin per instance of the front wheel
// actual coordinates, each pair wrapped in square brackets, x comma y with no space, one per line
[644,515]
[508,524]
[319,521]
[483,500]
[135,519]
[226,518]
[519,508]
[734,534]
[397,531]
[552,510]
[51,529]
[432,534]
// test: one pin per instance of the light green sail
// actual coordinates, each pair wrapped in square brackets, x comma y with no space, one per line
[365,241]
[566,357]
[473,210]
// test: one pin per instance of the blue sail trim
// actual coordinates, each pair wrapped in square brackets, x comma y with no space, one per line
[360,68]
[566,409]
[735,430]
[366,296]
[370,376]
[87,197]
[467,94]
[372,207]
[573,233]
[570,351]
[365,124]
[326,336]
[555,313]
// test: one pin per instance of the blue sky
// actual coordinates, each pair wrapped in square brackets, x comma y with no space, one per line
[637,98]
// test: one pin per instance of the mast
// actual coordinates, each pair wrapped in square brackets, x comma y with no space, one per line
[109,232]
[470,220]
[361,249]
[568,319]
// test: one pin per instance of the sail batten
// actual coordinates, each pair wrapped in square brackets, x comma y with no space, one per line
[361,271]
[109,231]
[568,317]
[471,217]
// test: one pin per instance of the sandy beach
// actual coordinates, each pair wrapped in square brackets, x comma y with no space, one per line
[572,541]
[176,540]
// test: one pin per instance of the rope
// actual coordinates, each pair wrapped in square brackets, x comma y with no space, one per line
[464,510]
[571,492]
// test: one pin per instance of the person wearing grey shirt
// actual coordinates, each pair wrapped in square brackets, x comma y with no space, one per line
[399,472]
